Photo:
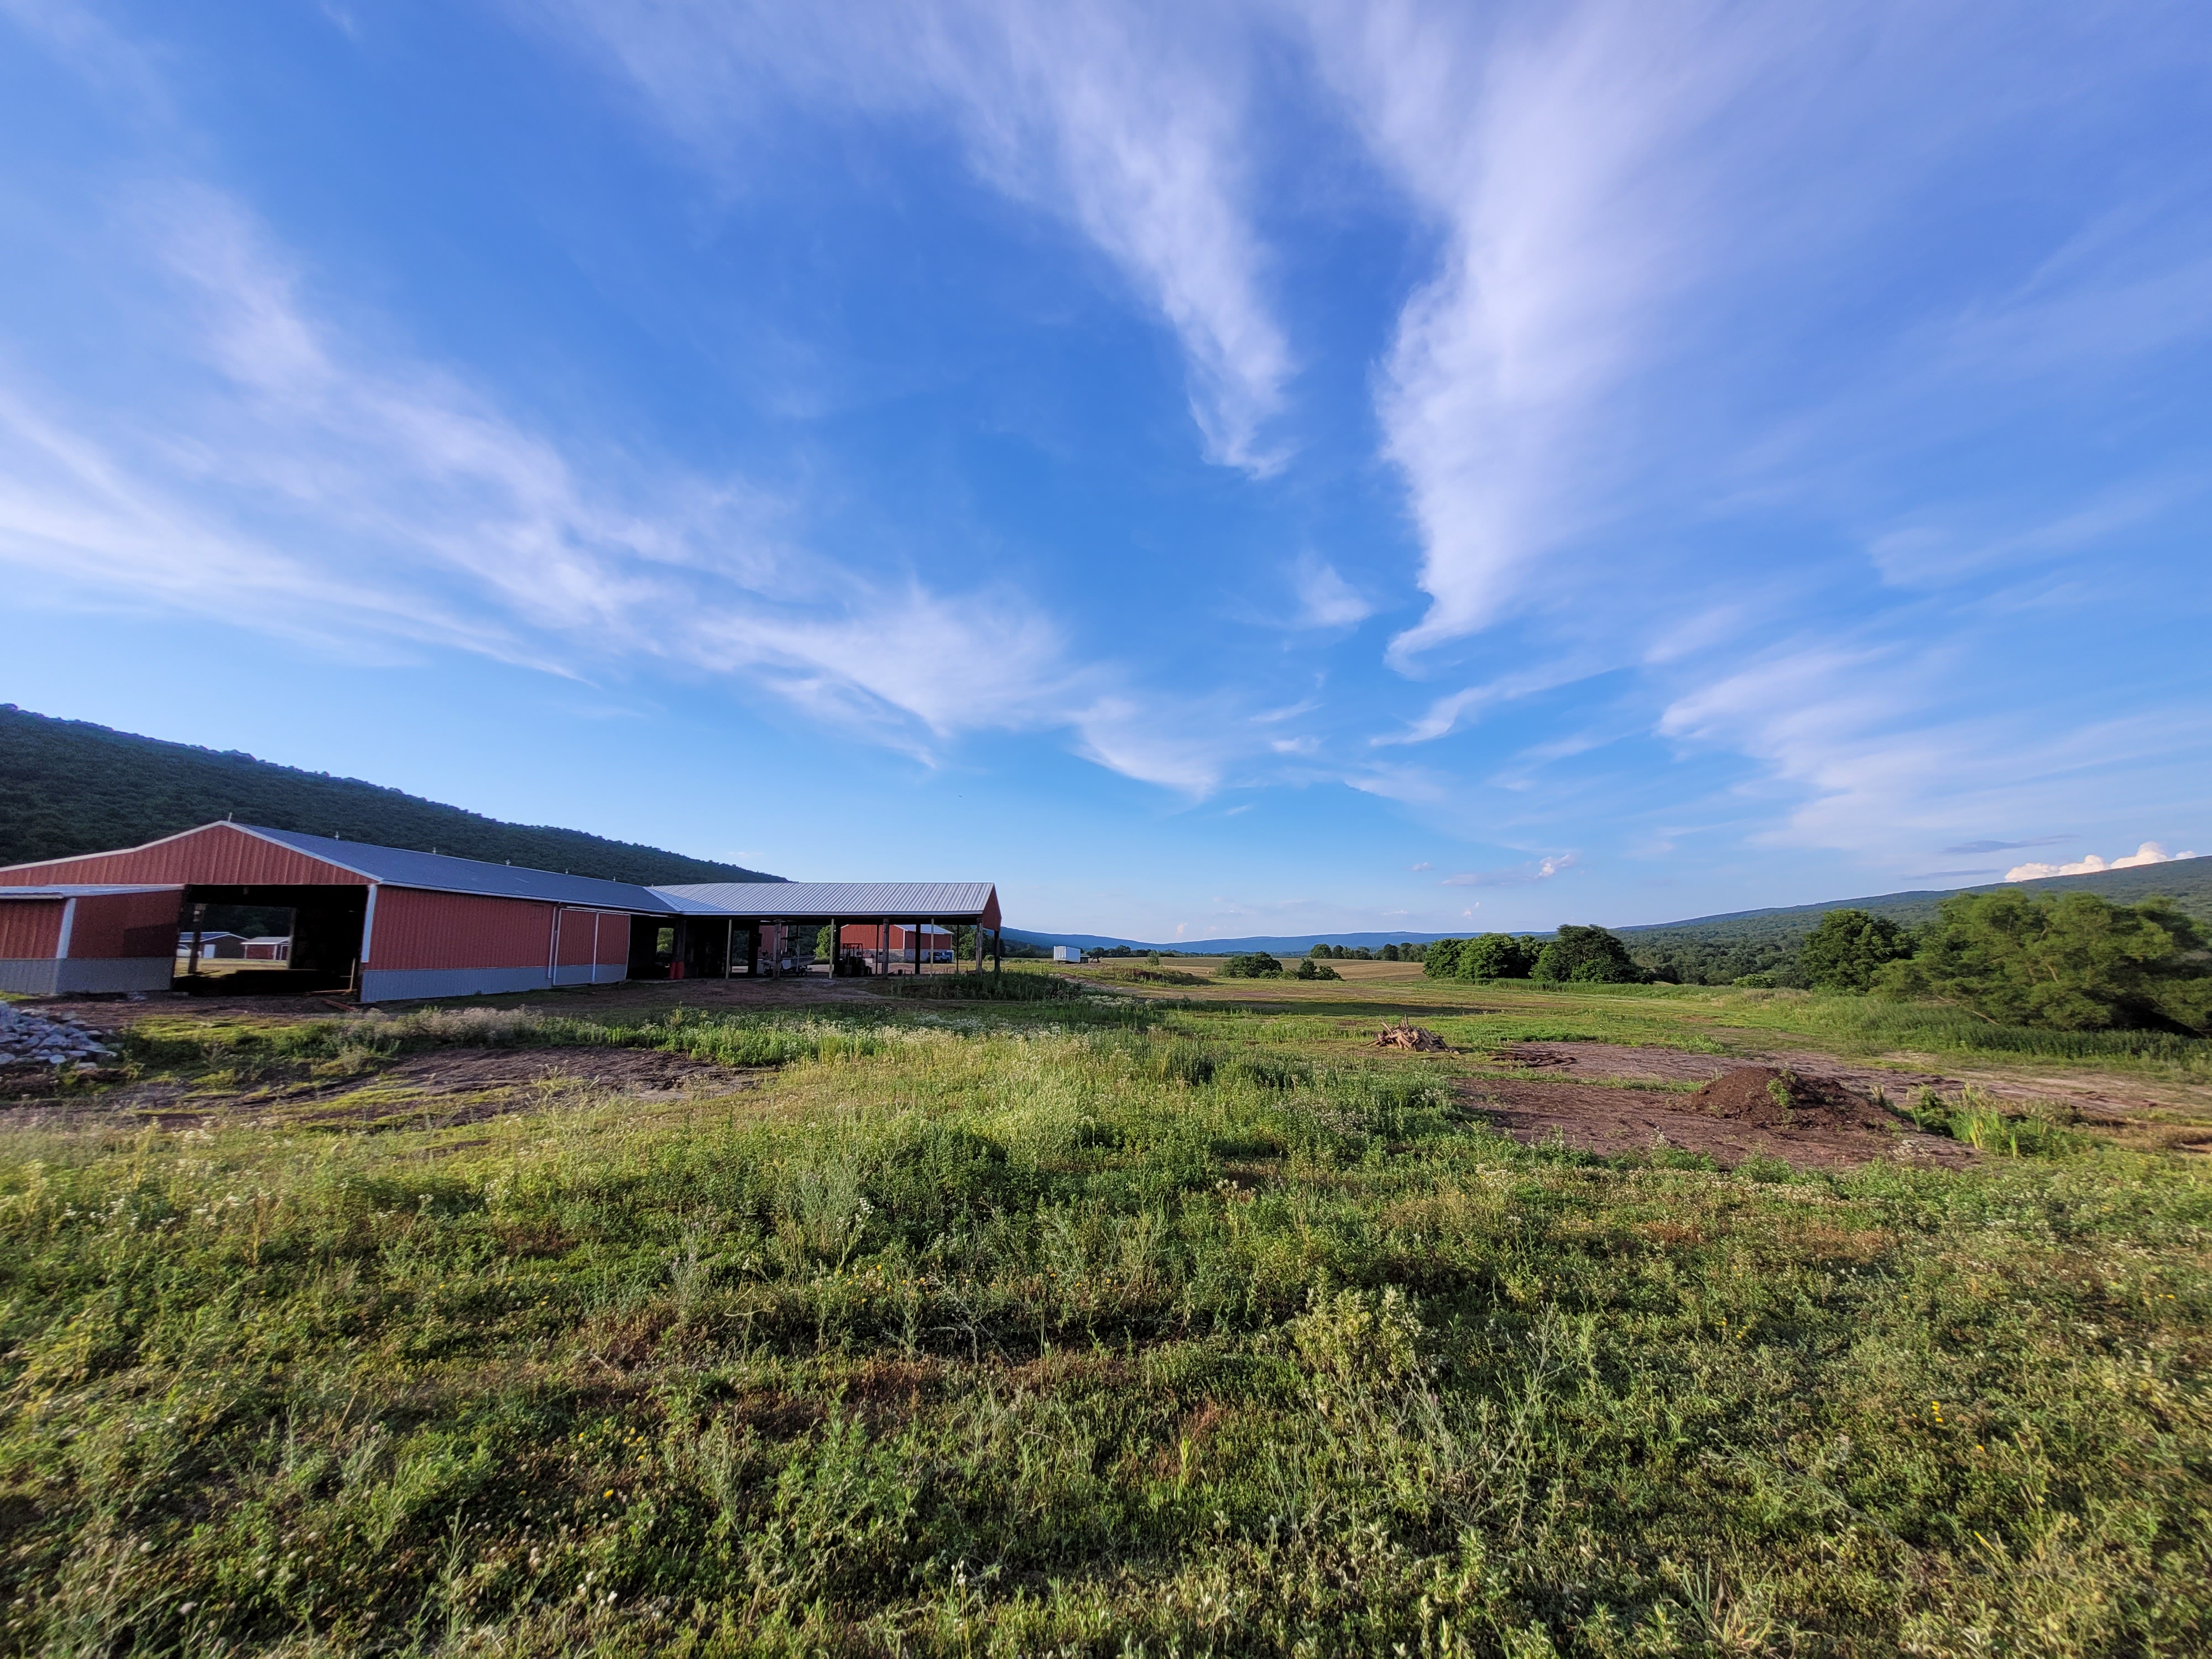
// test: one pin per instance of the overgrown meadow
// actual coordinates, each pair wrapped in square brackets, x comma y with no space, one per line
[1082,1327]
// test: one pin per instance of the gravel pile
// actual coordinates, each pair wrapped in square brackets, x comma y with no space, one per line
[28,1038]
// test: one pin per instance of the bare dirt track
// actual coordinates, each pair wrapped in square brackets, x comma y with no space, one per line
[2098,1097]
[450,1085]
[1732,1119]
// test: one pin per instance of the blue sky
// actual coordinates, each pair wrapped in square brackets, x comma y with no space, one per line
[1213,469]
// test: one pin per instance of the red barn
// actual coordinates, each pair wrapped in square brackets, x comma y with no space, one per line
[388,923]
[58,938]
[382,921]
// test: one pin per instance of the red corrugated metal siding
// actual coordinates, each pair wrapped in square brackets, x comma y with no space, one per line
[217,855]
[124,925]
[32,927]
[576,937]
[614,938]
[415,929]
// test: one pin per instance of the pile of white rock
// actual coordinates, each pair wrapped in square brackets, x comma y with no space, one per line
[29,1038]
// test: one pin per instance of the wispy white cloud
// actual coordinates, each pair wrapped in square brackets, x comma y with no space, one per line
[1515,875]
[1145,740]
[1573,162]
[2149,853]
[1448,713]
[1934,549]
[1128,121]
[1326,599]
[317,486]
[1853,758]
[1642,209]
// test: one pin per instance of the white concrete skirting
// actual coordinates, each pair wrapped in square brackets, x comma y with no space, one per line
[578,972]
[62,976]
[404,984]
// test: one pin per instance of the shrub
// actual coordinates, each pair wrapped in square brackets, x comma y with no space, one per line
[1849,948]
[1308,969]
[2074,961]
[1981,1122]
[1495,956]
[1586,956]
[1252,964]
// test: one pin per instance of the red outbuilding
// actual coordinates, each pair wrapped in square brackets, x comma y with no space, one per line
[387,924]
[382,921]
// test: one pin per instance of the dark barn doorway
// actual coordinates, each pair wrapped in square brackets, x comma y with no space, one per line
[680,947]
[326,923]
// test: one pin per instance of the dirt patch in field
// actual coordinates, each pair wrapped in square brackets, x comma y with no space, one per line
[2098,1097]
[1826,1134]
[444,1087]
[1618,1062]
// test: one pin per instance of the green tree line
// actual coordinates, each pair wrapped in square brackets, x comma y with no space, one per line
[2068,961]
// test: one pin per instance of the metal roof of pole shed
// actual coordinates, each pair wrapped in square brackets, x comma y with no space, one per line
[937,901]
[441,872]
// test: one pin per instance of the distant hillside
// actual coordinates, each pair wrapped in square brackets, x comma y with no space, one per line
[69,786]
[1717,950]
[1296,943]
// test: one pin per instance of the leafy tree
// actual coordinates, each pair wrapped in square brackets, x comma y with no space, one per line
[2074,961]
[1318,950]
[1389,953]
[1849,948]
[1441,959]
[1252,964]
[1495,956]
[1308,969]
[1586,956]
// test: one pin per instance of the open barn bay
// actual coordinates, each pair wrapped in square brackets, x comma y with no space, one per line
[1130,1319]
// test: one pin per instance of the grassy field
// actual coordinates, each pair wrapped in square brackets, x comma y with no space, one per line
[1175,1320]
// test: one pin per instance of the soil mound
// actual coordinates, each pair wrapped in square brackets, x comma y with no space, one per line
[1769,1097]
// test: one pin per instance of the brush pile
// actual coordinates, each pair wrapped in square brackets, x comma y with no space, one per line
[28,1038]
[1406,1034]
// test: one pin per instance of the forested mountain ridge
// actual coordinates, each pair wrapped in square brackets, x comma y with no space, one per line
[1719,950]
[69,786]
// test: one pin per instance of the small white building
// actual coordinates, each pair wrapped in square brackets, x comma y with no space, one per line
[1067,953]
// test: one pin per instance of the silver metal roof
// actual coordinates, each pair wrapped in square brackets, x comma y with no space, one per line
[941,901]
[443,874]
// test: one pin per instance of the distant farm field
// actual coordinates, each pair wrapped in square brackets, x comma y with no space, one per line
[1155,1318]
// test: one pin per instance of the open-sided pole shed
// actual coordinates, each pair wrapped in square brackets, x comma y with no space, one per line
[802,905]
